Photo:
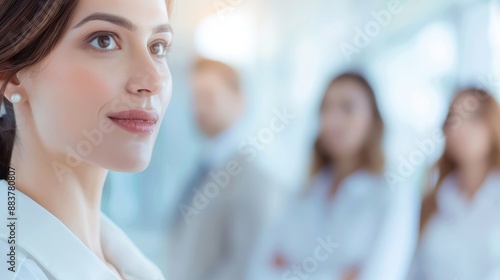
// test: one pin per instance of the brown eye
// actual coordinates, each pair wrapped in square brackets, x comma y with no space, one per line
[159,48]
[106,42]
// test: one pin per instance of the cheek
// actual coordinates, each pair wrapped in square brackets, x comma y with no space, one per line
[470,142]
[358,128]
[204,103]
[330,130]
[66,100]
[217,108]
[480,141]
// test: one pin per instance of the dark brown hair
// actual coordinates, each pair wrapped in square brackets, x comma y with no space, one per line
[446,165]
[29,31]
[373,157]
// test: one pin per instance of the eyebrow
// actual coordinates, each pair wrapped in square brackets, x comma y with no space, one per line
[121,21]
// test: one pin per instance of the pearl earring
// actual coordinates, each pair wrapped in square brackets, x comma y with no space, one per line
[16,98]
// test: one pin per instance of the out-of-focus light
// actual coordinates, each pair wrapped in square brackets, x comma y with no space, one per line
[494,30]
[231,39]
[437,45]
[426,106]
[494,24]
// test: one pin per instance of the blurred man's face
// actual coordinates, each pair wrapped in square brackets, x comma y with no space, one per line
[216,104]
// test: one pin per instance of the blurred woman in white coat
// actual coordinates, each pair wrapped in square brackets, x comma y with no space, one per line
[460,218]
[332,229]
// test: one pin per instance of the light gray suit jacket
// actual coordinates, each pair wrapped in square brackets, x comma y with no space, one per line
[217,234]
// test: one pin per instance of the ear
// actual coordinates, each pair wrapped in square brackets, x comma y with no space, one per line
[14,86]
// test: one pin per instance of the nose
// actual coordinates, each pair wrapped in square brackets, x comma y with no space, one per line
[147,78]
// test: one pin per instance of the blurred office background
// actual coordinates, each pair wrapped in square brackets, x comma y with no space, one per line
[286,51]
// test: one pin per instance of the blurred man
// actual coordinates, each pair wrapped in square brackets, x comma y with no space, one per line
[228,198]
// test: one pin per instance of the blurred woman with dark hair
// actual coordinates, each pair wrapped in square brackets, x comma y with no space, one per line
[460,218]
[331,230]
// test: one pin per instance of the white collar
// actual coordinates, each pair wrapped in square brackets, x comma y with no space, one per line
[451,200]
[360,182]
[62,253]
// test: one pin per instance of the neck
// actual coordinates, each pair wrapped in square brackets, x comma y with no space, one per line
[345,166]
[216,131]
[471,177]
[71,194]
[342,168]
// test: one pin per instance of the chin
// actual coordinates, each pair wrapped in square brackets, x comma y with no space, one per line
[129,165]
[337,152]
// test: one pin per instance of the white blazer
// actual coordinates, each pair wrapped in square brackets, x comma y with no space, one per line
[322,239]
[47,249]
[462,240]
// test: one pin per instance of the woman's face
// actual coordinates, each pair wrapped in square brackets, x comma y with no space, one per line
[82,97]
[346,119]
[468,137]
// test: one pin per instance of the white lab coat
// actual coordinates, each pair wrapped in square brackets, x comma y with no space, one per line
[462,239]
[324,238]
[47,249]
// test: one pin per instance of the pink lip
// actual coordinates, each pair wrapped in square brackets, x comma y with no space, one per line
[136,121]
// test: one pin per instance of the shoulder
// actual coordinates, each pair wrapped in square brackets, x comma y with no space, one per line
[251,168]
[320,181]
[249,176]
[494,176]
[24,268]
